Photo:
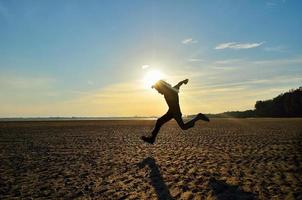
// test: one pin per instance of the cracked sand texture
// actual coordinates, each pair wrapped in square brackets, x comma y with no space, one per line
[223,159]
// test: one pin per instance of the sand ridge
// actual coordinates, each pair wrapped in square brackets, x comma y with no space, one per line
[224,159]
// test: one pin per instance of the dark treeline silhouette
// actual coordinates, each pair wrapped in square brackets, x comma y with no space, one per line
[287,104]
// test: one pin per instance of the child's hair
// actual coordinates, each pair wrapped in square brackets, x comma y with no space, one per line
[161,84]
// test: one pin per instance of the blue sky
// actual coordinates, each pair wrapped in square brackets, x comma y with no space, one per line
[84,58]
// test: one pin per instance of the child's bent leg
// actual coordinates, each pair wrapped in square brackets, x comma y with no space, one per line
[189,124]
[162,120]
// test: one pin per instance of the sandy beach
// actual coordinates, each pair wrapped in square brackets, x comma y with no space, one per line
[223,159]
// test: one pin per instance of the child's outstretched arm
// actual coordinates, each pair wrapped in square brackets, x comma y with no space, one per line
[180,83]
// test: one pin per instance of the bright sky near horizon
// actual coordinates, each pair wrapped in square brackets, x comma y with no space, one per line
[91,58]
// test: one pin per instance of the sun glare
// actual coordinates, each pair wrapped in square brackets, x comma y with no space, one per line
[152,77]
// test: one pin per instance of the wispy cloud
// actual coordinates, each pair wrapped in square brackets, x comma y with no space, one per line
[189,41]
[89,82]
[17,82]
[275,49]
[145,66]
[195,60]
[219,96]
[239,62]
[228,61]
[237,45]
[20,91]
[271,4]
[224,68]
[247,85]
[274,3]
[114,100]
[277,62]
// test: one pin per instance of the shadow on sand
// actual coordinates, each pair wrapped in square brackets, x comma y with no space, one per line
[223,191]
[157,181]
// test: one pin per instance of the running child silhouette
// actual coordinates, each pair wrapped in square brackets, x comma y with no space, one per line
[171,96]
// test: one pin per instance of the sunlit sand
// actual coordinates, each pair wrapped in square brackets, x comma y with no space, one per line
[224,159]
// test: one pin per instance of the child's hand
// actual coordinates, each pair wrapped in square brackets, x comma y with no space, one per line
[185,81]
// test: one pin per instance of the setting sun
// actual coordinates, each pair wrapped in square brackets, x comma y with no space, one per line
[152,77]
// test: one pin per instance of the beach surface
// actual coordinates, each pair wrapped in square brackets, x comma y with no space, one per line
[223,159]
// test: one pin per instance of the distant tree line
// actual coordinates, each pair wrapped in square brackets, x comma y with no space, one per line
[287,104]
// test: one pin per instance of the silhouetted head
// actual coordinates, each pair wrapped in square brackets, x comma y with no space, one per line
[163,87]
